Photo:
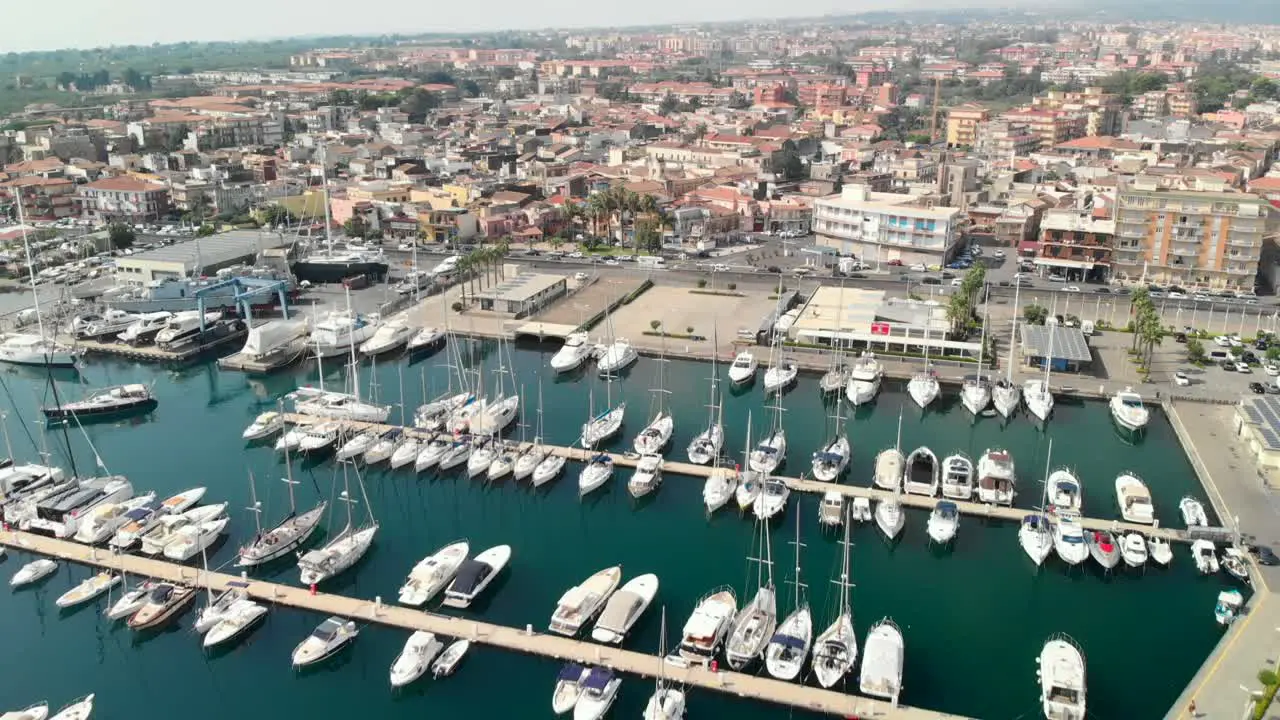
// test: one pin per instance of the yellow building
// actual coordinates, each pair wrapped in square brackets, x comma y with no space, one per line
[962,124]
[310,204]
[435,198]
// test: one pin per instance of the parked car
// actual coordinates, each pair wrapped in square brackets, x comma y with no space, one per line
[919,267]
[1248,357]
[1180,337]
[930,280]
[1271,369]
[1102,290]
[1222,341]
[1181,380]
[1263,555]
[1243,368]
[1257,388]
[894,263]
[999,253]
[956,282]
[1072,288]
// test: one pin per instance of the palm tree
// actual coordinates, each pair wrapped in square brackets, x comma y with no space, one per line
[463,267]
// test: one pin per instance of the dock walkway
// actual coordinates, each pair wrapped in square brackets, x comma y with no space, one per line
[525,641]
[670,467]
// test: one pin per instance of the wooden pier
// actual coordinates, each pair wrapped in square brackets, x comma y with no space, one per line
[153,354]
[670,467]
[519,640]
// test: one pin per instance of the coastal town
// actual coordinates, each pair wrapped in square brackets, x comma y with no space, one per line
[999,226]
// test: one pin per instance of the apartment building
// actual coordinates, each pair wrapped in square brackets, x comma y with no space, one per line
[1075,244]
[125,199]
[885,227]
[41,198]
[1174,101]
[1103,111]
[1002,139]
[1197,240]
[962,124]
[1051,126]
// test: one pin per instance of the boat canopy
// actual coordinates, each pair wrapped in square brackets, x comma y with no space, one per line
[598,679]
[572,671]
[787,641]
[948,508]
[141,513]
[469,576]
[828,457]
[602,457]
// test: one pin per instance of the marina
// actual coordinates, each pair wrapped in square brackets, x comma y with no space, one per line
[557,540]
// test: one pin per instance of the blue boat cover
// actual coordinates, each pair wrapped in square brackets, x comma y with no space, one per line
[141,513]
[572,671]
[601,458]
[948,508]
[788,641]
[598,679]
[828,457]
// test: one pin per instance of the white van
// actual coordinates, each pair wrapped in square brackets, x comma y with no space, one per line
[651,261]
[1086,327]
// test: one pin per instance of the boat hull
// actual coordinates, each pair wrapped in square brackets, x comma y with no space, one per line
[326,272]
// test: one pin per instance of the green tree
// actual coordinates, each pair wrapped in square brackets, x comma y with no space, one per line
[1035,314]
[668,105]
[205,231]
[1195,351]
[648,239]
[120,236]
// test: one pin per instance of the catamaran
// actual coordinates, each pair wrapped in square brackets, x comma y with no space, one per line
[789,647]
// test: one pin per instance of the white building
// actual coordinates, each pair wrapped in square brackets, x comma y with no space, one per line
[884,227]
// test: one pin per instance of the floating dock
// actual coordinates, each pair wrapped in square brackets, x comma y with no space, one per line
[925,502]
[153,354]
[525,641]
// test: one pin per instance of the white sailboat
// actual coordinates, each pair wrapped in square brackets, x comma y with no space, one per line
[975,393]
[771,452]
[286,536]
[719,487]
[41,349]
[533,456]
[655,436]
[754,624]
[830,462]
[602,427]
[836,648]
[789,647]
[780,374]
[667,701]
[1036,393]
[923,386]
[596,473]
[1006,396]
[706,446]
[1034,534]
[347,547]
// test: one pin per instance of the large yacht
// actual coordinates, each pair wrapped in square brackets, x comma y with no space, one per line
[882,657]
[339,332]
[580,604]
[432,573]
[996,477]
[1128,411]
[575,351]
[864,380]
[339,405]
[1061,674]
[30,349]
[706,627]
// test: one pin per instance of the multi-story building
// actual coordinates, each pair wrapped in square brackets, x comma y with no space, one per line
[1002,139]
[1191,239]
[1075,244]
[1103,111]
[885,227]
[1051,126]
[41,198]
[962,124]
[125,199]
[1173,101]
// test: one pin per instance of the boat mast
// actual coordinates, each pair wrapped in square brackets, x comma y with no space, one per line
[746,445]
[324,182]
[1013,335]
[255,507]
[715,378]
[538,438]
[796,581]
[845,608]
[1044,484]
[351,340]
[982,344]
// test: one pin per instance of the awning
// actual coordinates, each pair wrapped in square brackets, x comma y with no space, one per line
[1054,262]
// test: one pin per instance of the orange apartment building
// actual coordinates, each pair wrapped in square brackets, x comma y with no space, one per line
[1051,126]
[962,124]
[41,198]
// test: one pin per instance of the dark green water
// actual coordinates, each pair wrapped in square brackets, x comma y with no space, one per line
[974,617]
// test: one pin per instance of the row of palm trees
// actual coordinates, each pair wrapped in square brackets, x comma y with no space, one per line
[615,205]
[483,265]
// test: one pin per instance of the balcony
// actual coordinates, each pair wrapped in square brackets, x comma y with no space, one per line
[1182,252]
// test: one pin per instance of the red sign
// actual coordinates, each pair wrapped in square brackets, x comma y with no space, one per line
[879,328]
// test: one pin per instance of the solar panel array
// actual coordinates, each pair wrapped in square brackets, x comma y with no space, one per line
[1264,412]
[1068,343]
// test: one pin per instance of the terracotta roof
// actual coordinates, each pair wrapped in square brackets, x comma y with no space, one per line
[124,184]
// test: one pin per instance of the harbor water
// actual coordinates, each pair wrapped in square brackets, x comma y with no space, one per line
[974,615]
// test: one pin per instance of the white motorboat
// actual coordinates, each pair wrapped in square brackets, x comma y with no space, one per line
[890,517]
[1103,548]
[217,608]
[1006,397]
[503,463]
[1228,606]
[101,523]
[1128,411]
[192,539]
[575,351]
[112,322]
[997,477]
[449,660]
[474,575]
[89,589]
[624,608]
[337,555]
[319,437]
[890,464]
[1193,514]
[860,510]
[568,688]
[923,388]
[1069,540]
[957,477]
[750,485]
[144,329]
[707,445]
[864,380]
[1065,490]
[483,452]
[33,572]
[836,648]
[603,426]
[391,336]
[432,573]
[184,327]
[239,619]
[647,476]
[548,469]
[130,601]
[1061,674]
[882,658]
[743,369]
[831,510]
[164,603]
[922,474]
[61,514]
[39,711]
[79,710]
[596,473]
[667,703]
[656,434]
[420,650]
[1134,499]
[428,338]
[1206,556]
[617,356]
[770,453]
[404,451]
[599,691]
[706,627]
[771,500]
[580,603]
[1035,535]
[340,332]
[830,462]
[1234,562]
[944,520]
[718,488]
[264,426]
[1133,549]
[1160,550]
[780,377]
[36,350]
[325,641]
[344,406]
[358,445]
[1038,397]
[975,395]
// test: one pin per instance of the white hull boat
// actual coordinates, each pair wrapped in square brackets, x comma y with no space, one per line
[1160,550]
[1006,397]
[1206,556]
[337,555]
[575,351]
[568,688]
[944,520]
[707,445]
[1069,540]
[433,573]
[88,590]
[603,427]
[595,474]
[706,627]
[243,616]
[656,435]
[529,461]
[997,477]
[882,659]
[781,377]
[957,477]
[420,650]
[890,464]
[769,454]
[864,380]
[581,603]
[1065,491]
[975,395]
[784,657]
[750,485]
[599,691]
[624,608]
[1039,399]
[752,629]
[1062,680]
[264,426]
[475,575]
[647,476]
[450,658]
[1193,514]
[193,539]
[1036,538]
[1134,499]
[33,572]
[831,461]
[743,369]
[547,470]
[325,641]
[923,389]
[1128,411]
[890,517]
[719,488]
[616,357]
[772,499]
[835,651]
[404,453]
[1133,549]
[922,474]
[391,336]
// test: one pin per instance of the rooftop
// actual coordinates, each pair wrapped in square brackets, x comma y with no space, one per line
[1263,412]
[1068,343]
[217,249]
[522,287]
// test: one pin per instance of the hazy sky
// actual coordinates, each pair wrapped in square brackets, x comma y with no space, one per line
[94,23]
